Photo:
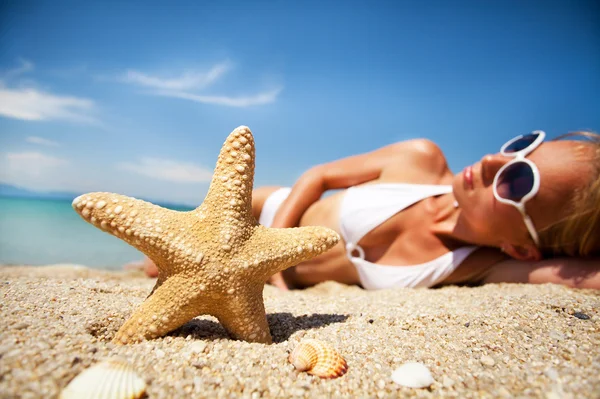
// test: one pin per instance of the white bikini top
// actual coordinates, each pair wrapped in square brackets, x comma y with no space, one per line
[365,207]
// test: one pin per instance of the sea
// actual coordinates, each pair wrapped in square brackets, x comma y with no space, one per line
[36,231]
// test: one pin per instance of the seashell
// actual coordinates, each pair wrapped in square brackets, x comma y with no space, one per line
[318,358]
[109,379]
[413,375]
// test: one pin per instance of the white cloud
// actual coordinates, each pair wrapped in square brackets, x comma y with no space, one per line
[32,163]
[257,99]
[36,105]
[40,172]
[31,104]
[168,170]
[186,87]
[41,141]
[26,66]
[187,81]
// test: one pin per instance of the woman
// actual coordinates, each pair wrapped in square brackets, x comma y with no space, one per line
[530,214]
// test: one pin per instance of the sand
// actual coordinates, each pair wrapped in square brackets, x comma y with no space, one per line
[507,340]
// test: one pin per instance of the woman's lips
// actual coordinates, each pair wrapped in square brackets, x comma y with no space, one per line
[468,177]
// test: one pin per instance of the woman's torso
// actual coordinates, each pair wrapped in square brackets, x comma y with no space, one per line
[406,238]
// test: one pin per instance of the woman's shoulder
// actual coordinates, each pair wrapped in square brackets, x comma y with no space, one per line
[417,160]
[421,148]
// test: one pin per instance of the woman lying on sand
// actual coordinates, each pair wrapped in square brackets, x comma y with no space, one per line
[528,214]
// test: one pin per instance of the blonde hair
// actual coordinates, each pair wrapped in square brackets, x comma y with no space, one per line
[578,232]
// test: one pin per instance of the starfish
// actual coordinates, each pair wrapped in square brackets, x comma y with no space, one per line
[212,260]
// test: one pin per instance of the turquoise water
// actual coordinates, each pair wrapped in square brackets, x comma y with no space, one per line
[42,232]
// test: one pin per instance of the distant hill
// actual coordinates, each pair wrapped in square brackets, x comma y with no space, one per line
[7,190]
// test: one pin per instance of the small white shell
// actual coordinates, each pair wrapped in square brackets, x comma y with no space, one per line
[318,358]
[413,375]
[109,379]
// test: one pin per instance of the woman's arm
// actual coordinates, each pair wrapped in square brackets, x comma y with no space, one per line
[572,272]
[419,154]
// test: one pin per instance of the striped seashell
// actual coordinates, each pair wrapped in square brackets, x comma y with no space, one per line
[318,358]
[109,379]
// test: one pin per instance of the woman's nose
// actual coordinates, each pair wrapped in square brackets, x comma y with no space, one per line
[490,165]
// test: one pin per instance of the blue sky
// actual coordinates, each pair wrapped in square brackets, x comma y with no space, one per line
[137,98]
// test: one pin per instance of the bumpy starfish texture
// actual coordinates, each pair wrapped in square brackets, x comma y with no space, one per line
[213,260]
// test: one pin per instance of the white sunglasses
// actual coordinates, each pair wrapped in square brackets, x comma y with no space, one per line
[519,180]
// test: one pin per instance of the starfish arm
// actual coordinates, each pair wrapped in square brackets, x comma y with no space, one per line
[227,207]
[143,225]
[277,249]
[243,314]
[171,305]
[161,279]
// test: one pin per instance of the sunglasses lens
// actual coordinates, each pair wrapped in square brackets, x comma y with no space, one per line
[521,143]
[515,182]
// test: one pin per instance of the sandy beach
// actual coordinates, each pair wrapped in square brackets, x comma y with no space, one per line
[538,341]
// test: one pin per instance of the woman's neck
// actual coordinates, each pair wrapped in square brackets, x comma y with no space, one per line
[447,223]
[445,215]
